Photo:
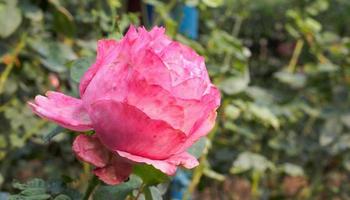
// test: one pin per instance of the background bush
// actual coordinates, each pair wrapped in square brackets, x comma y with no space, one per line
[283,129]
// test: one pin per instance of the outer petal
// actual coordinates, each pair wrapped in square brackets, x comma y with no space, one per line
[63,110]
[123,127]
[115,172]
[184,159]
[89,149]
[167,166]
[104,48]
[109,83]
[197,111]
[162,165]
[110,167]
[200,129]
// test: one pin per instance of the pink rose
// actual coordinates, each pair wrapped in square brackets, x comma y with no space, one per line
[148,99]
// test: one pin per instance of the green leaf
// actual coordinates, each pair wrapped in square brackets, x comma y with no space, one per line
[79,67]
[1,179]
[292,169]
[213,3]
[38,189]
[53,55]
[149,174]
[34,183]
[197,148]
[152,193]
[213,174]
[33,191]
[62,197]
[251,161]
[295,80]
[331,129]
[234,85]
[118,192]
[57,130]
[35,197]
[63,21]
[10,18]
[264,114]
[32,12]
[346,119]
[232,112]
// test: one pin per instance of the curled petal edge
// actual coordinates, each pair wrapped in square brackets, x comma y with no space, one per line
[167,166]
[63,110]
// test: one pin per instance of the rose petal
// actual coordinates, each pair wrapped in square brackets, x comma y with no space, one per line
[192,88]
[160,104]
[115,172]
[104,48]
[184,64]
[184,159]
[152,69]
[200,129]
[167,166]
[63,110]
[109,83]
[159,39]
[162,165]
[111,168]
[123,127]
[155,101]
[89,149]
[140,39]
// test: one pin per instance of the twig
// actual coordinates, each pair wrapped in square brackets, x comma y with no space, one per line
[9,66]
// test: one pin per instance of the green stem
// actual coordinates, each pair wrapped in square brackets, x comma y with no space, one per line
[295,57]
[92,184]
[237,26]
[235,31]
[167,8]
[198,172]
[197,175]
[255,184]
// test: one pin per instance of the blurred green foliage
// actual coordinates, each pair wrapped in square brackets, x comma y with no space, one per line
[283,129]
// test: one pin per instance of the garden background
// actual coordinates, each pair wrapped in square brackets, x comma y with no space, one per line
[283,68]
